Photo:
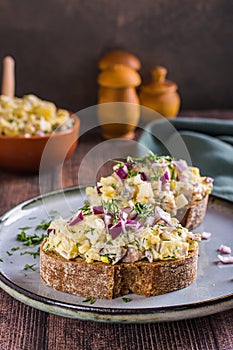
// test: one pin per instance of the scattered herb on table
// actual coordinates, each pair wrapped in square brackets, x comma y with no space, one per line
[1,260]
[9,253]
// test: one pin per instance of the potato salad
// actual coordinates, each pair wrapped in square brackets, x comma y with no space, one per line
[31,116]
[110,234]
[157,180]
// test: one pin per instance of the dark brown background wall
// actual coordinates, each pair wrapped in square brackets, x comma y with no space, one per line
[57,43]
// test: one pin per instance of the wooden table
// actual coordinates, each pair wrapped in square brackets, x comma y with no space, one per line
[23,327]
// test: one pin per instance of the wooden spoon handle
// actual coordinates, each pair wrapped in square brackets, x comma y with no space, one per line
[8,77]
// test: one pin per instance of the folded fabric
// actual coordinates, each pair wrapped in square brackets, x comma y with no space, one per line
[204,143]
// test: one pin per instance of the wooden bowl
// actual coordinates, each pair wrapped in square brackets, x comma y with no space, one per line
[23,154]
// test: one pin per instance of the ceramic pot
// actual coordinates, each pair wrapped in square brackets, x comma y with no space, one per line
[161,94]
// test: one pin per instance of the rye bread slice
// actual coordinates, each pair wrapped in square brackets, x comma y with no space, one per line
[193,216]
[105,281]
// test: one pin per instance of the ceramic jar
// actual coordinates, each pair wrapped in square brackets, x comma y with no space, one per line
[118,84]
[161,94]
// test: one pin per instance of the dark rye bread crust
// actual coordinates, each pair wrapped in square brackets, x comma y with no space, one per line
[104,281]
[193,216]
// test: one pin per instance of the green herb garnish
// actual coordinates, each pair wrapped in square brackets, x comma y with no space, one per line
[9,253]
[126,300]
[34,254]
[14,249]
[24,228]
[27,267]
[30,240]
[86,209]
[44,225]
[91,300]
[144,210]
[111,207]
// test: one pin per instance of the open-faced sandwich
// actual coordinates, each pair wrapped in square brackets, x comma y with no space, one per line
[122,240]
[171,184]
[105,252]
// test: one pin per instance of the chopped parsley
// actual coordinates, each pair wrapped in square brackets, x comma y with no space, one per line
[126,300]
[86,209]
[109,256]
[9,253]
[34,254]
[90,230]
[30,240]
[91,300]
[27,267]
[174,174]
[1,260]
[133,173]
[24,228]
[111,207]
[14,249]
[144,210]
[43,225]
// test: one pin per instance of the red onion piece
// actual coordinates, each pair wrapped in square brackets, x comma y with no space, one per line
[98,209]
[165,177]
[122,172]
[123,215]
[181,165]
[143,176]
[51,231]
[205,235]
[150,220]
[160,213]
[182,178]
[127,210]
[76,219]
[208,180]
[193,236]
[98,187]
[224,249]
[157,166]
[116,230]
[133,224]
[226,259]
[107,219]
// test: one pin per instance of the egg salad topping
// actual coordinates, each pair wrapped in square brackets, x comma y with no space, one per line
[158,180]
[110,233]
[31,116]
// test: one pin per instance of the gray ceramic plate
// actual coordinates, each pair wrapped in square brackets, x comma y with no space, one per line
[210,293]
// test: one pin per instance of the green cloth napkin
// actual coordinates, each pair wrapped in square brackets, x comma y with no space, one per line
[209,147]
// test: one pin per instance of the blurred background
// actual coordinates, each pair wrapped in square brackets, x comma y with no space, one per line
[57,43]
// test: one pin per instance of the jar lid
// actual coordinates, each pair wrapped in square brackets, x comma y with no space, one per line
[119,57]
[119,76]
[159,83]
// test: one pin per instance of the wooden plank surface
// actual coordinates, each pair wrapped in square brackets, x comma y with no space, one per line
[25,328]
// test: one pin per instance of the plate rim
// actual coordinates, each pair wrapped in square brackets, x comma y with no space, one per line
[105,314]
